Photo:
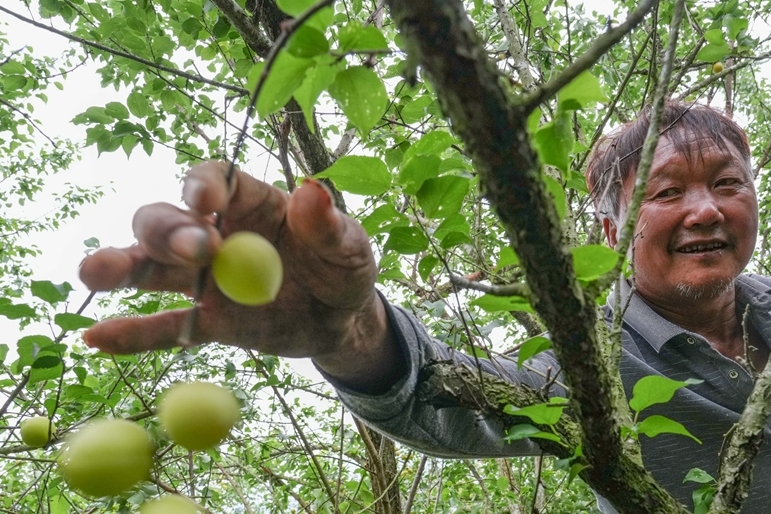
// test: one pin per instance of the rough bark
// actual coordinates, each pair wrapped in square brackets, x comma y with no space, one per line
[442,40]
[627,485]
[381,465]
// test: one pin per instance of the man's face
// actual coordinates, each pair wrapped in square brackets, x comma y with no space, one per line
[698,222]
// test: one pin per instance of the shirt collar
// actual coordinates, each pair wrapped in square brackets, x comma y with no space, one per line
[657,331]
[652,327]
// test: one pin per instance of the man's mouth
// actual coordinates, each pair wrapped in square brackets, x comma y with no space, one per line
[706,247]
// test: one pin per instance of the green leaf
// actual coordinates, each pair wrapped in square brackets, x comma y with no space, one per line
[321,20]
[286,75]
[582,92]
[3,352]
[383,219]
[592,261]
[526,431]
[654,389]
[46,361]
[359,175]
[456,223]
[699,476]
[433,143]
[317,79]
[735,25]
[406,240]
[507,257]
[50,292]
[117,110]
[554,142]
[416,171]
[453,239]
[715,36]
[191,26]
[98,115]
[40,374]
[542,414]
[361,95]
[443,196]
[307,42]
[702,498]
[415,110]
[355,38]
[13,68]
[427,265]
[16,311]
[14,83]
[492,303]
[713,53]
[655,425]
[531,348]
[71,321]
[557,192]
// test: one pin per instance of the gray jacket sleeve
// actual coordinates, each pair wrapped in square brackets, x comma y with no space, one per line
[442,432]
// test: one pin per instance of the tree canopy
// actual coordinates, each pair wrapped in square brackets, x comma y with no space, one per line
[457,133]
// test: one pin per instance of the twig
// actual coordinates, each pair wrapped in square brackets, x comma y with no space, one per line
[727,70]
[301,434]
[86,42]
[588,58]
[415,484]
[245,25]
[511,34]
[503,290]
[235,488]
[29,119]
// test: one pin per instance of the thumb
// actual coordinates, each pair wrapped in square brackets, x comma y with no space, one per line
[314,219]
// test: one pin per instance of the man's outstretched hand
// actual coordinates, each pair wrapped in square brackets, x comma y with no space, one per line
[327,307]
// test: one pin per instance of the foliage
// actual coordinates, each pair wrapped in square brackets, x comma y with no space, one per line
[184,70]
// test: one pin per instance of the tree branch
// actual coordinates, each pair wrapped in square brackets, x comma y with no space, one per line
[245,25]
[738,457]
[441,39]
[590,57]
[511,33]
[120,53]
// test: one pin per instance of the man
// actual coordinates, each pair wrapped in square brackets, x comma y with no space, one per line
[696,233]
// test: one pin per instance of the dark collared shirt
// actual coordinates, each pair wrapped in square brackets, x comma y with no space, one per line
[651,346]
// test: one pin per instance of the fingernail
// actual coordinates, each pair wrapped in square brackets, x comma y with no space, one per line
[192,190]
[189,243]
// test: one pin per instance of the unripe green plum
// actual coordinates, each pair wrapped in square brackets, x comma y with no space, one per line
[717,67]
[106,457]
[247,269]
[172,504]
[35,431]
[198,415]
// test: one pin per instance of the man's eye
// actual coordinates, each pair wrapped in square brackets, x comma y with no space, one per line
[666,193]
[728,182]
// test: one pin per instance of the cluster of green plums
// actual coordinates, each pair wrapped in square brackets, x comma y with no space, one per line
[108,456]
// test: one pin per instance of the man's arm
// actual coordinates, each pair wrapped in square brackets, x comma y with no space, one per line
[327,308]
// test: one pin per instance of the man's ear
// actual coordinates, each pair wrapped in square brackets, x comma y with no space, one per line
[611,233]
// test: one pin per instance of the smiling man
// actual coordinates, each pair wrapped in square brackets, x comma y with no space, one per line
[696,233]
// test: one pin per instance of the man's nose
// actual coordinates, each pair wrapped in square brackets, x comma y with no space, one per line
[702,209]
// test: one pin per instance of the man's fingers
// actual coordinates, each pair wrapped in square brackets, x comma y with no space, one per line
[172,236]
[206,190]
[134,335]
[114,268]
[314,220]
